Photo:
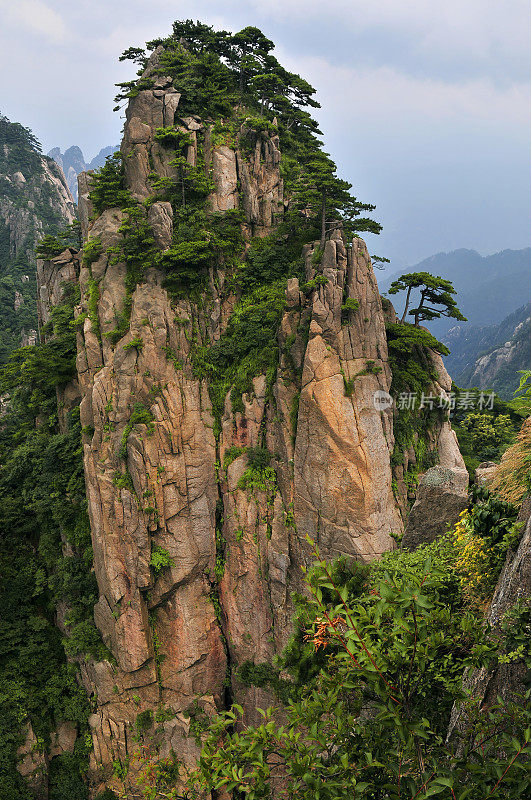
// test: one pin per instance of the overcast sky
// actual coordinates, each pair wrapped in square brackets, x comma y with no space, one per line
[426,104]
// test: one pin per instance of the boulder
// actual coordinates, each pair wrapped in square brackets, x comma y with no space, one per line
[442,495]
[485,473]
[33,765]
[63,739]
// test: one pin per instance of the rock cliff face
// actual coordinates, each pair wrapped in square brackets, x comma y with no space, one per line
[34,200]
[196,552]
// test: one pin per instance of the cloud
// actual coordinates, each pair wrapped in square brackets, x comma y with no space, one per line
[388,95]
[446,35]
[36,17]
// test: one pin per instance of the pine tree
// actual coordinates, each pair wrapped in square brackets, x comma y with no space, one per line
[434,291]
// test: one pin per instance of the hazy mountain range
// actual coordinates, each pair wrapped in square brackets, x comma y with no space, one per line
[73,162]
[494,293]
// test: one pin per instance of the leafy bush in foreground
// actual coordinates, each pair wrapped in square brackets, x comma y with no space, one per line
[368,725]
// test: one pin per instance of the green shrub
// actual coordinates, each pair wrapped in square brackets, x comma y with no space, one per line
[107,794]
[231,454]
[136,343]
[107,185]
[494,520]
[310,286]
[144,721]
[350,304]
[92,250]
[160,559]
[258,458]
[248,347]
[384,668]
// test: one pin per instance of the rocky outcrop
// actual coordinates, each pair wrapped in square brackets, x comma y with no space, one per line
[53,277]
[485,473]
[195,556]
[342,478]
[33,764]
[441,496]
[442,492]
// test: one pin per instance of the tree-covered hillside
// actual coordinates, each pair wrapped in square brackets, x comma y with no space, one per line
[491,356]
[41,476]
[34,201]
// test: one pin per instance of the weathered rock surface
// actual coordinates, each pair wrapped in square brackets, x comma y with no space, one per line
[441,496]
[485,473]
[439,440]
[157,476]
[33,765]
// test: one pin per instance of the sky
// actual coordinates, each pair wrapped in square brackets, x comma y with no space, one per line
[426,105]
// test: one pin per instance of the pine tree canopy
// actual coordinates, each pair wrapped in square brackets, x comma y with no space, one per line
[434,291]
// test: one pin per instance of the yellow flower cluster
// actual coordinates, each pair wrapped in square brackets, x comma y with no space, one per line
[471,561]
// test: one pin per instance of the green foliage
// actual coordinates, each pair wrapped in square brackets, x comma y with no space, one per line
[139,416]
[350,304]
[237,83]
[201,240]
[172,137]
[483,434]
[43,505]
[247,347]
[52,245]
[370,715]
[136,343]
[137,251]
[488,435]
[258,480]
[522,401]
[313,284]
[258,458]
[300,658]
[19,148]
[494,520]
[144,721]
[160,559]
[92,250]
[123,480]
[348,384]
[412,370]
[107,187]
[272,258]
[434,291]
[66,780]
[231,454]
[107,794]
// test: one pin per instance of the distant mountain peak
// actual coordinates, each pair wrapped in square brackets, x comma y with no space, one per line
[73,162]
